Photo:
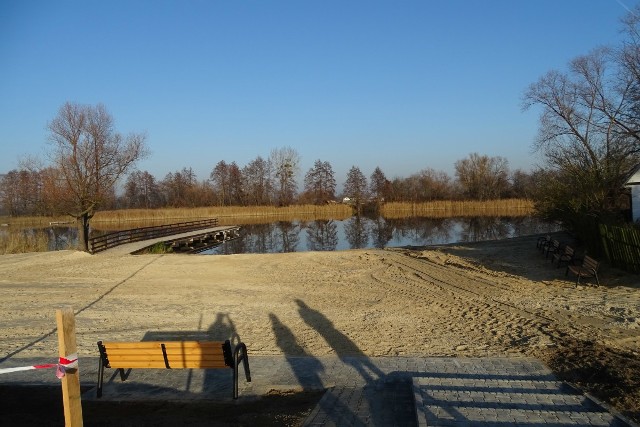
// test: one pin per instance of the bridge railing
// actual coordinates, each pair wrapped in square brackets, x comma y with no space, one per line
[115,238]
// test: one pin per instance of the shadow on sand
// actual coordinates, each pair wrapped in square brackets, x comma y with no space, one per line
[364,402]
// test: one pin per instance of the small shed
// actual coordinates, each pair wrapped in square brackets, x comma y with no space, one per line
[633,182]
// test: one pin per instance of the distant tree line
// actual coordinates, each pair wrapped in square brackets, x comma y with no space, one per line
[272,181]
[589,135]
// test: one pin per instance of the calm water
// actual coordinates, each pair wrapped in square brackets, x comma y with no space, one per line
[361,232]
[352,233]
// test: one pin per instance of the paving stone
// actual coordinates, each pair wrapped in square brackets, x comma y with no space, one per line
[360,391]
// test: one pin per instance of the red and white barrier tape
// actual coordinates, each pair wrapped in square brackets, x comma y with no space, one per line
[64,364]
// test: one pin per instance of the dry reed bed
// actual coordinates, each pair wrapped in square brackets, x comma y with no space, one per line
[21,241]
[34,221]
[454,208]
[507,207]
[224,213]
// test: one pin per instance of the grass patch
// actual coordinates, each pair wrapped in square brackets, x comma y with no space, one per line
[158,248]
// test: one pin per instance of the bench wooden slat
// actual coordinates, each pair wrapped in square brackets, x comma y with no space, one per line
[167,344]
[589,268]
[173,364]
[197,364]
[135,357]
[216,352]
[125,345]
[132,351]
[565,256]
[172,355]
[116,361]
[137,364]
[196,350]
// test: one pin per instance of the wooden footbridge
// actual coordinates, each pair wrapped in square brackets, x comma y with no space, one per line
[183,237]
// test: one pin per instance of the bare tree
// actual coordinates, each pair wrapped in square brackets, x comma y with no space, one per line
[286,166]
[483,177]
[320,182]
[237,194]
[628,77]
[180,188]
[90,157]
[220,178]
[257,177]
[355,186]
[523,184]
[589,128]
[437,183]
[53,189]
[21,192]
[426,185]
[10,194]
[142,191]
[380,185]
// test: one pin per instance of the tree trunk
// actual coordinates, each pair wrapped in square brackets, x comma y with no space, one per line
[83,232]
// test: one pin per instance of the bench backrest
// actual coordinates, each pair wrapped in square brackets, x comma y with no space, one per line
[167,354]
[590,263]
[568,250]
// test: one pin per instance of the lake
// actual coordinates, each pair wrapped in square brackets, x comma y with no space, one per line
[353,233]
[363,232]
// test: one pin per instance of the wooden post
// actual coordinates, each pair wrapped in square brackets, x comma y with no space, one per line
[71,381]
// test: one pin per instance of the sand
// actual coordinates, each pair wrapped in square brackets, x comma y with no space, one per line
[498,298]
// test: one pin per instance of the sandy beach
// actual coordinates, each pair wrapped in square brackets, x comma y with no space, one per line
[481,299]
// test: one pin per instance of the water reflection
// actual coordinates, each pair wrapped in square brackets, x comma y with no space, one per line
[322,235]
[423,231]
[62,238]
[484,228]
[356,231]
[362,232]
[281,236]
[352,233]
[381,232]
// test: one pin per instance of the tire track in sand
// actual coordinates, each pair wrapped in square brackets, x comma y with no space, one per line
[471,309]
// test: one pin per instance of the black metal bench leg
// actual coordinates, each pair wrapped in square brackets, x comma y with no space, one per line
[235,379]
[100,377]
[245,361]
[124,375]
[240,355]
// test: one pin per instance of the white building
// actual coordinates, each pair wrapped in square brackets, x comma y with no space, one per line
[633,182]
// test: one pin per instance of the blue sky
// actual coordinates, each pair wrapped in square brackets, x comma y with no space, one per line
[404,85]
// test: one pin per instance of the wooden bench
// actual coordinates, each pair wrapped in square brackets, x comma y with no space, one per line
[564,256]
[552,248]
[172,355]
[543,241]
[589,268]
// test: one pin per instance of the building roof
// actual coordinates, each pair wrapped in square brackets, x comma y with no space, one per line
[633,177]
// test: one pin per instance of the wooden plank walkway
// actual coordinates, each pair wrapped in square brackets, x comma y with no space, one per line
[129,248]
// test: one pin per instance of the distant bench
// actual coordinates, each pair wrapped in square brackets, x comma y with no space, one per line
[172,355]
[589,268]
